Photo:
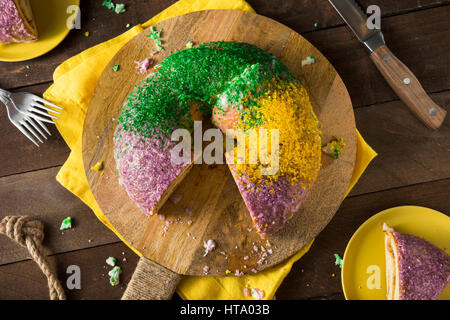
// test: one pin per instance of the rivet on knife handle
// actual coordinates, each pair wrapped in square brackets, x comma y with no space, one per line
[408,88]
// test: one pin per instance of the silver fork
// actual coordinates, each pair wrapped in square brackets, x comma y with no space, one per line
[32,105]
[29,123]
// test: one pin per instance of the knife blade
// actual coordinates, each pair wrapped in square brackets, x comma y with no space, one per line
[400,77]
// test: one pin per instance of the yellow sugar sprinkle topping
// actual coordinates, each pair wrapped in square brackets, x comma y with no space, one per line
[287,108]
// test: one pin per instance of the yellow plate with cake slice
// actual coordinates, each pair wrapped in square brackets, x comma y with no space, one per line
[52,18]
[364,270]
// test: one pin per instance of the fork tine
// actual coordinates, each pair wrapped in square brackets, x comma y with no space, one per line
[48,102]
[30,120]
[31,130]
[37,117]
[19,126]
[33,109]
[38,105]
[43,126]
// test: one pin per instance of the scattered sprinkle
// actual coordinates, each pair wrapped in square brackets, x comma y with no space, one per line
[334,147]
[127,26]
[209,246]
[143,65]
[114,276]
[338,261]
[227,271]
[205,270]
[66,224]
[27,66]
[190,44]
[120,8]
[316,25]
[111,261]
[108,4]
[258,294]
[308,60]
[116,67]
[86,34]
[98,166]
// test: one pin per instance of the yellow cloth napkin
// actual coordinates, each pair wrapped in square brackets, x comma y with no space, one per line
[74,83]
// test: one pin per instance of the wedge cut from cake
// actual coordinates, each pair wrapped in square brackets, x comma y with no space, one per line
[17,22]
[415,268]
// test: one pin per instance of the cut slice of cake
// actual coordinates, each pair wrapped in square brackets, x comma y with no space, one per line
[17,22]
[415,268]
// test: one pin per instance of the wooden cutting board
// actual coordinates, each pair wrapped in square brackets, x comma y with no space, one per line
[218,211]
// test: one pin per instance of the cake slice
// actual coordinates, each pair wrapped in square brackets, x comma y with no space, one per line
[17,22]
[415,268]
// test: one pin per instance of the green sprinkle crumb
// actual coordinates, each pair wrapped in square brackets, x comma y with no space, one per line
[316,25]
[66,224]
[114,276]
[334,147]
[116,67]
[108,4]
[128,25]
[27,66]
[120,8]
[111,261]
[338,261]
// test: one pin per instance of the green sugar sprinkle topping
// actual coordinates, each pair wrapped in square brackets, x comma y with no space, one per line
[66,224]
[208,75]
[116,67]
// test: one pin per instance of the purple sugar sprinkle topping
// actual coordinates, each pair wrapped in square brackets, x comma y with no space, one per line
[269,210]
[145,167]
[424,268]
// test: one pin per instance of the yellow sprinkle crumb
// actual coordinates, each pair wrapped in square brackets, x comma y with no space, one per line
[86,34]
[333,275]
[98,166]
[227,271]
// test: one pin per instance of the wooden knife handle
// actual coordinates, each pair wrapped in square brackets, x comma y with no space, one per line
[408,88]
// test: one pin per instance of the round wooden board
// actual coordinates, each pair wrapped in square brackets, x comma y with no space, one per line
[219,212]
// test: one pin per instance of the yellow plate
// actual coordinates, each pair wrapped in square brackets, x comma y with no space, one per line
[51,17]
[364,262]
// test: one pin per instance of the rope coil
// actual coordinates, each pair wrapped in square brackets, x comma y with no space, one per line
[29,233]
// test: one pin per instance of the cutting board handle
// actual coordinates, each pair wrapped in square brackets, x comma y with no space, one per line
[151,281]
[408,88]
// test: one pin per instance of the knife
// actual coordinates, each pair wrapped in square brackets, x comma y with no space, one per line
[399,77]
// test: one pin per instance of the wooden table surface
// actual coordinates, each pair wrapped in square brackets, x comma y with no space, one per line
[413,166]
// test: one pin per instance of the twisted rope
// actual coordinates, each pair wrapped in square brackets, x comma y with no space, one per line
[29,233]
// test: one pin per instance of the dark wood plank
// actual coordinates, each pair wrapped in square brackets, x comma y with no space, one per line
[38,194]
[409,153]
[101,23]
[312,276]
[24,280]
[421,40]
[18,154]
[301,15]
[422,26]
